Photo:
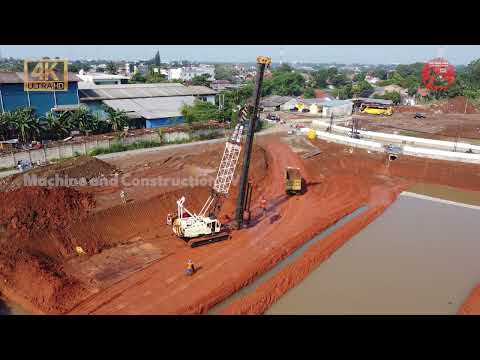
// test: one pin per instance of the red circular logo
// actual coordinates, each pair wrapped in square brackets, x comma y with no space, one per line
[438,74]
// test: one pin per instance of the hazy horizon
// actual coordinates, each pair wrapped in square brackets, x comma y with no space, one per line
[344,54]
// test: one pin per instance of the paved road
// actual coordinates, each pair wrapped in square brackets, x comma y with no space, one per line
[8,173]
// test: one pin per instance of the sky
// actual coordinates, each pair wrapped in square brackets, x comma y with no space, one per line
[346,54]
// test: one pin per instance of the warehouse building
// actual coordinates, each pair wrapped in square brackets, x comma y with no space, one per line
[325,108]
[337,108]
[151,105]
[274,102]
[13,95]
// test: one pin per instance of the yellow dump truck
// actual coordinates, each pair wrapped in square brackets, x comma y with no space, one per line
[378,110]
[293,180]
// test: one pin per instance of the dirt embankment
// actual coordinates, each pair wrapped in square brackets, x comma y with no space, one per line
[78,168]
[33,243]
[456,105]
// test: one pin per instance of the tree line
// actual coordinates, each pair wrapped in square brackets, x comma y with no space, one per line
[26,126]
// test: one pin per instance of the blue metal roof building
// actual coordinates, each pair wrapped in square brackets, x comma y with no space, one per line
[156,105]
[13,95]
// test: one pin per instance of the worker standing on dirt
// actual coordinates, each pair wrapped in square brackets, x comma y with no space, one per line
[263,205]
[123,196]
[169,219]
[190,268]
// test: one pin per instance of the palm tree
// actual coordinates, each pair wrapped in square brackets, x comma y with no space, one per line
[97,124]
[55,126]
[117,118]
[5,124]
[80,119]
[25,123]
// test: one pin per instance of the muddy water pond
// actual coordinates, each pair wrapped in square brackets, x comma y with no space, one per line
[419,257]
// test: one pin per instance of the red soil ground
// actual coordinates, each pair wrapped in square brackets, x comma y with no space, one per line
[471,306]
[33,242]
[338,182]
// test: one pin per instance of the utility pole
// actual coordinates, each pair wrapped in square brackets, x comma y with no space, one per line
[262,62]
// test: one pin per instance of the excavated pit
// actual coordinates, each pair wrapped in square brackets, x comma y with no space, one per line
[133,263]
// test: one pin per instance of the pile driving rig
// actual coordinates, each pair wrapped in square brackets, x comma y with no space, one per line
[204,228]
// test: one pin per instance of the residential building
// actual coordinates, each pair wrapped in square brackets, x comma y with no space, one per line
[274,102]
[325,108]
[152,105]
[102,78]
[13,95]
[372,79]
[187,73]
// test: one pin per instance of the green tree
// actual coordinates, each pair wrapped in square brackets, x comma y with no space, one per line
[201,111]
[309,93]
[320,78]
[157,61]
[224,72]
[338,80]
[332,71]
[344,92]
[201,80]
[54,126]
[138,78]
[360,76]
[80,120]
[112,68]
[284,68]
[26,124]
[118,119]
[392,95]
[286,83]
[6,120]
[155,77]
[361,87]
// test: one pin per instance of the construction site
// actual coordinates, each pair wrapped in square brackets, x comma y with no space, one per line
[243,224]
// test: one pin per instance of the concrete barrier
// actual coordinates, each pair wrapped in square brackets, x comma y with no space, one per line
[69,150]
[370,145]
[406,149]
[401,139]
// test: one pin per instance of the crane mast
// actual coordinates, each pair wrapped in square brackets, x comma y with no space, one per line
[190,225]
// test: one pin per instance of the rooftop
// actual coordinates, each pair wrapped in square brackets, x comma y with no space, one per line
[100,76]
[274,100]
[17,77]
[152,108]
[374,101]
[89,91]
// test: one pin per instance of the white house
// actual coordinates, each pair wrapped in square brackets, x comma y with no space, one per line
[372,79]
[102,78]
[187,73]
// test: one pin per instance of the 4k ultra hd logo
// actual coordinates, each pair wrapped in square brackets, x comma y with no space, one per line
[46,75]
